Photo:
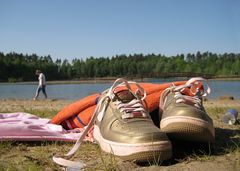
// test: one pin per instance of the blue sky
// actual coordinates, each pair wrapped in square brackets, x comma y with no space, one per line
[79,29]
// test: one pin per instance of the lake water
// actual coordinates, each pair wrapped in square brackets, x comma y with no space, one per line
[78,91]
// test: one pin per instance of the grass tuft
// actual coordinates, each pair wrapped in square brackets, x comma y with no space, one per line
[38,155]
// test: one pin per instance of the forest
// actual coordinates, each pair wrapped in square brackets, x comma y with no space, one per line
[21,67]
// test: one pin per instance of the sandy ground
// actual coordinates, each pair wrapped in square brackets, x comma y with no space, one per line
[16,105]
[224,154]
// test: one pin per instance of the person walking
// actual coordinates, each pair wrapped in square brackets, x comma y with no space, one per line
[41,84]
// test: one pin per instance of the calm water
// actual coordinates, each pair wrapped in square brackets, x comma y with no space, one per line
[78,91]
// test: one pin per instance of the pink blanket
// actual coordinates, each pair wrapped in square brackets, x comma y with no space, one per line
[27,127]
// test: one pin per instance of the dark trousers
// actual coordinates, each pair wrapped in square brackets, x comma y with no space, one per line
[43,89]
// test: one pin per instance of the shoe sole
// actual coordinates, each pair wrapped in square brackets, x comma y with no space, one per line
[188,128]
[152,151]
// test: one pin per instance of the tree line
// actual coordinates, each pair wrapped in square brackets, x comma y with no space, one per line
[21,67]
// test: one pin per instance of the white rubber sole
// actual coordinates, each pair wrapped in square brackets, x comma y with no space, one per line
[125,149]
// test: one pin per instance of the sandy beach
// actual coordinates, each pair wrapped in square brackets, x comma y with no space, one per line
[16,105]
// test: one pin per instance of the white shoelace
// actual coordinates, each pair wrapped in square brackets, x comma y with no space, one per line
[180,98]
[134,108]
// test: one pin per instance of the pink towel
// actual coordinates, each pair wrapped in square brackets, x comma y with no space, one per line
[27,127]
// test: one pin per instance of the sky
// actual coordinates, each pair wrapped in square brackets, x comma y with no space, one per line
[69,29]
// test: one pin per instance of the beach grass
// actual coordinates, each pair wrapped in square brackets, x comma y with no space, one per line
[38,155]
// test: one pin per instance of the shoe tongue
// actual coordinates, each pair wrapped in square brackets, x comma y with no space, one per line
[196,88]
[124,96]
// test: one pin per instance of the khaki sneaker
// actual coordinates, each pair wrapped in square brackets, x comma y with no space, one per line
[124,127]
[183,115]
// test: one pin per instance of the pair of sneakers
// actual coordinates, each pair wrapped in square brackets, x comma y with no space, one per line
[123,125]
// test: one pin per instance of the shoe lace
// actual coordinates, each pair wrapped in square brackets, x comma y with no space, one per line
[131,109]
[195,100]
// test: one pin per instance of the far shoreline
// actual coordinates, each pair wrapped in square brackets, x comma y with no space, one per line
[112,79]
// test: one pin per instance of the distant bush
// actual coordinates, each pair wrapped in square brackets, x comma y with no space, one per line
[18,67]
[12,80]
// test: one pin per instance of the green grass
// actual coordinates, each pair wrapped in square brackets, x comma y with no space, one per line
[42,113]
[218,112]
[38,155]
[26,155]
[203,155]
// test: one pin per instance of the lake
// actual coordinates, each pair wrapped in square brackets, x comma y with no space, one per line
[78,91]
